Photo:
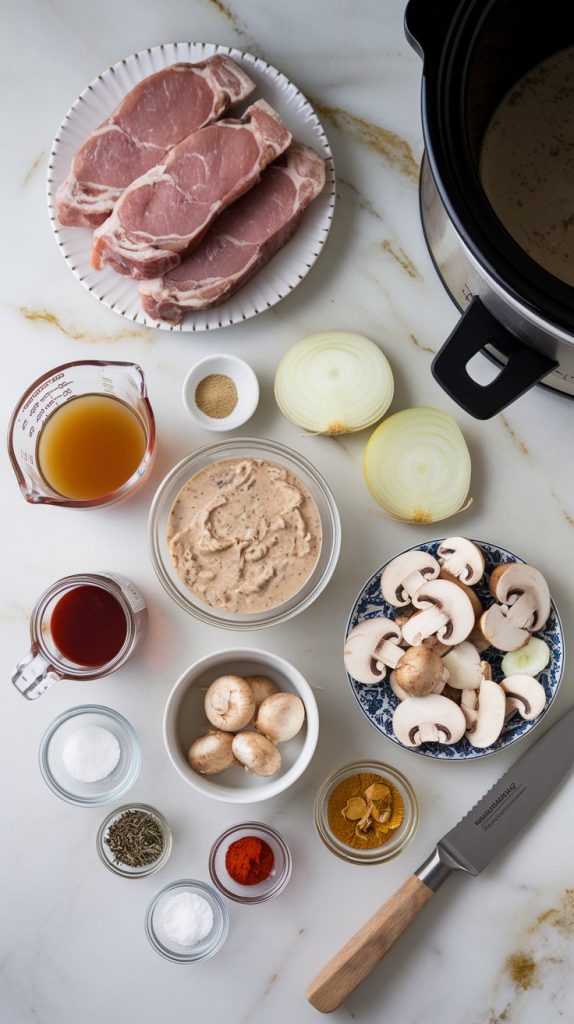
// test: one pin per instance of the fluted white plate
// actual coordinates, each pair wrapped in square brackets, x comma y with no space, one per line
[287,268]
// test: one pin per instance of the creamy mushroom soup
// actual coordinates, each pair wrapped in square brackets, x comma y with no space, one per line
[244,535]
[527,164]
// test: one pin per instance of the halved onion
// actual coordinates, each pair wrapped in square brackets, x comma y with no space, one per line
[334,383]
[417,466]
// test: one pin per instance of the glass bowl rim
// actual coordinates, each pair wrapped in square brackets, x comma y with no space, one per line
[218,449]
[187,883]
[283,878]
[133,745]
[149,869]
[376,855]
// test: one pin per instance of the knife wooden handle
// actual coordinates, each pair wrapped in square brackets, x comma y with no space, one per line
[351,965]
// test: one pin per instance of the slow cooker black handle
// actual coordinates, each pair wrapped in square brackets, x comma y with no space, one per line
[426,23]
[475,329]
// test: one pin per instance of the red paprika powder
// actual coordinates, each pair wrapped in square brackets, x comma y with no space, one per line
[249,860]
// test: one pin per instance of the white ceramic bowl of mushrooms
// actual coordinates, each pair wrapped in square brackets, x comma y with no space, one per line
[241,725]
[454,648]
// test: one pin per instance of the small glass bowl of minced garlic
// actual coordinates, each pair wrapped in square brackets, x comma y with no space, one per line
[366,812]
[221,392]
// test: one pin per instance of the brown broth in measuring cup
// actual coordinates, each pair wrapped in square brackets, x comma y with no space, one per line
[83,435]
[90,446]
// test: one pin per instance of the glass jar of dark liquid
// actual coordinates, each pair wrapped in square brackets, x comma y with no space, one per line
[82,627]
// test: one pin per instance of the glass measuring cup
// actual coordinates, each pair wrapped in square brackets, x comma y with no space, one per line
[45,664]
[124,381]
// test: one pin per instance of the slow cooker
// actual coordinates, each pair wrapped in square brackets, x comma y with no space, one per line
[513,310]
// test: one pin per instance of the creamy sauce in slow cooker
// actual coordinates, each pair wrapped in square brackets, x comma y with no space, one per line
[527,164]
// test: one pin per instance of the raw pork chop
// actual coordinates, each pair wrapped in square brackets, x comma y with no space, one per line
[159,112]
[167,211]
[242,240]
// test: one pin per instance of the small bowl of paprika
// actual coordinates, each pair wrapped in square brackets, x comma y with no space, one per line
[250,863]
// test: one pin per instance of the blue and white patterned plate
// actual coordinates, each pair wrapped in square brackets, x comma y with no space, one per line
[379,702]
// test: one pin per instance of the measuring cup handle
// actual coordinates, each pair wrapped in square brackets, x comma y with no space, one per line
[34,674]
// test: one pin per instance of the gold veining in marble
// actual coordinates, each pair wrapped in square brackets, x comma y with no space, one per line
[47,317]
[232,18]
[418,344]
[394,150]
[32,169]
[519,443]
[566,515]
[400,256]
[362,201]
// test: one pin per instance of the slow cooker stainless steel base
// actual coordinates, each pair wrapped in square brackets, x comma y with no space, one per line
[514,310]
[465,280]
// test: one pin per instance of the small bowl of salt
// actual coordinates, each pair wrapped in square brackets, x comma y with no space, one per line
[90,755]
[187,921]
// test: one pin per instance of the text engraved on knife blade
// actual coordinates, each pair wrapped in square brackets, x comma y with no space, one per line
[500,806]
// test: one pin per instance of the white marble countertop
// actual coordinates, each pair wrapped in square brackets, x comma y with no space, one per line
[73,946]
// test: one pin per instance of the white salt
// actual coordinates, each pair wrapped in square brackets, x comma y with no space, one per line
[186,918]
[91,753]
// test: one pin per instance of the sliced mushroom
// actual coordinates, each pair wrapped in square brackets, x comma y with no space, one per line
[463,664]
[405,575]
[446,613]
[490,715]
[432,719]
[524,607]
[435,645]
[420,671]
[525,695]
[371,647]
[496,575]
[470,593]
[461,558]
[477,638]
[452,694]
[469,707]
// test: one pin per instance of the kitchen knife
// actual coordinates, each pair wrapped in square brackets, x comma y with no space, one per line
[496,819]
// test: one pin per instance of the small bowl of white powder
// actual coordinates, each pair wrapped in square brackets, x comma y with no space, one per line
[90,755]
[187,921]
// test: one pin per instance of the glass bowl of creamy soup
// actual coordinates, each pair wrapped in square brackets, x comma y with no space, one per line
[244,533]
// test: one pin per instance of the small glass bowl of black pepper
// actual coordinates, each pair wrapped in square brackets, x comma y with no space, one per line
[134,841]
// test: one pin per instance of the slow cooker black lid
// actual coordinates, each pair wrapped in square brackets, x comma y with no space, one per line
[462,43]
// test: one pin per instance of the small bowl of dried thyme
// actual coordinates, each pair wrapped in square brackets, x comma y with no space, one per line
[366,812]
[134,841]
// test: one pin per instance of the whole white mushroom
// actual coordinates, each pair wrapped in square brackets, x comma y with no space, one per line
[261,687]
[256,753]
[280,717]
[211,753]
[229,703]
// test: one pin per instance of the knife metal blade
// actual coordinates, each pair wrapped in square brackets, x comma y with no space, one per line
[505,809]
[496,819]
